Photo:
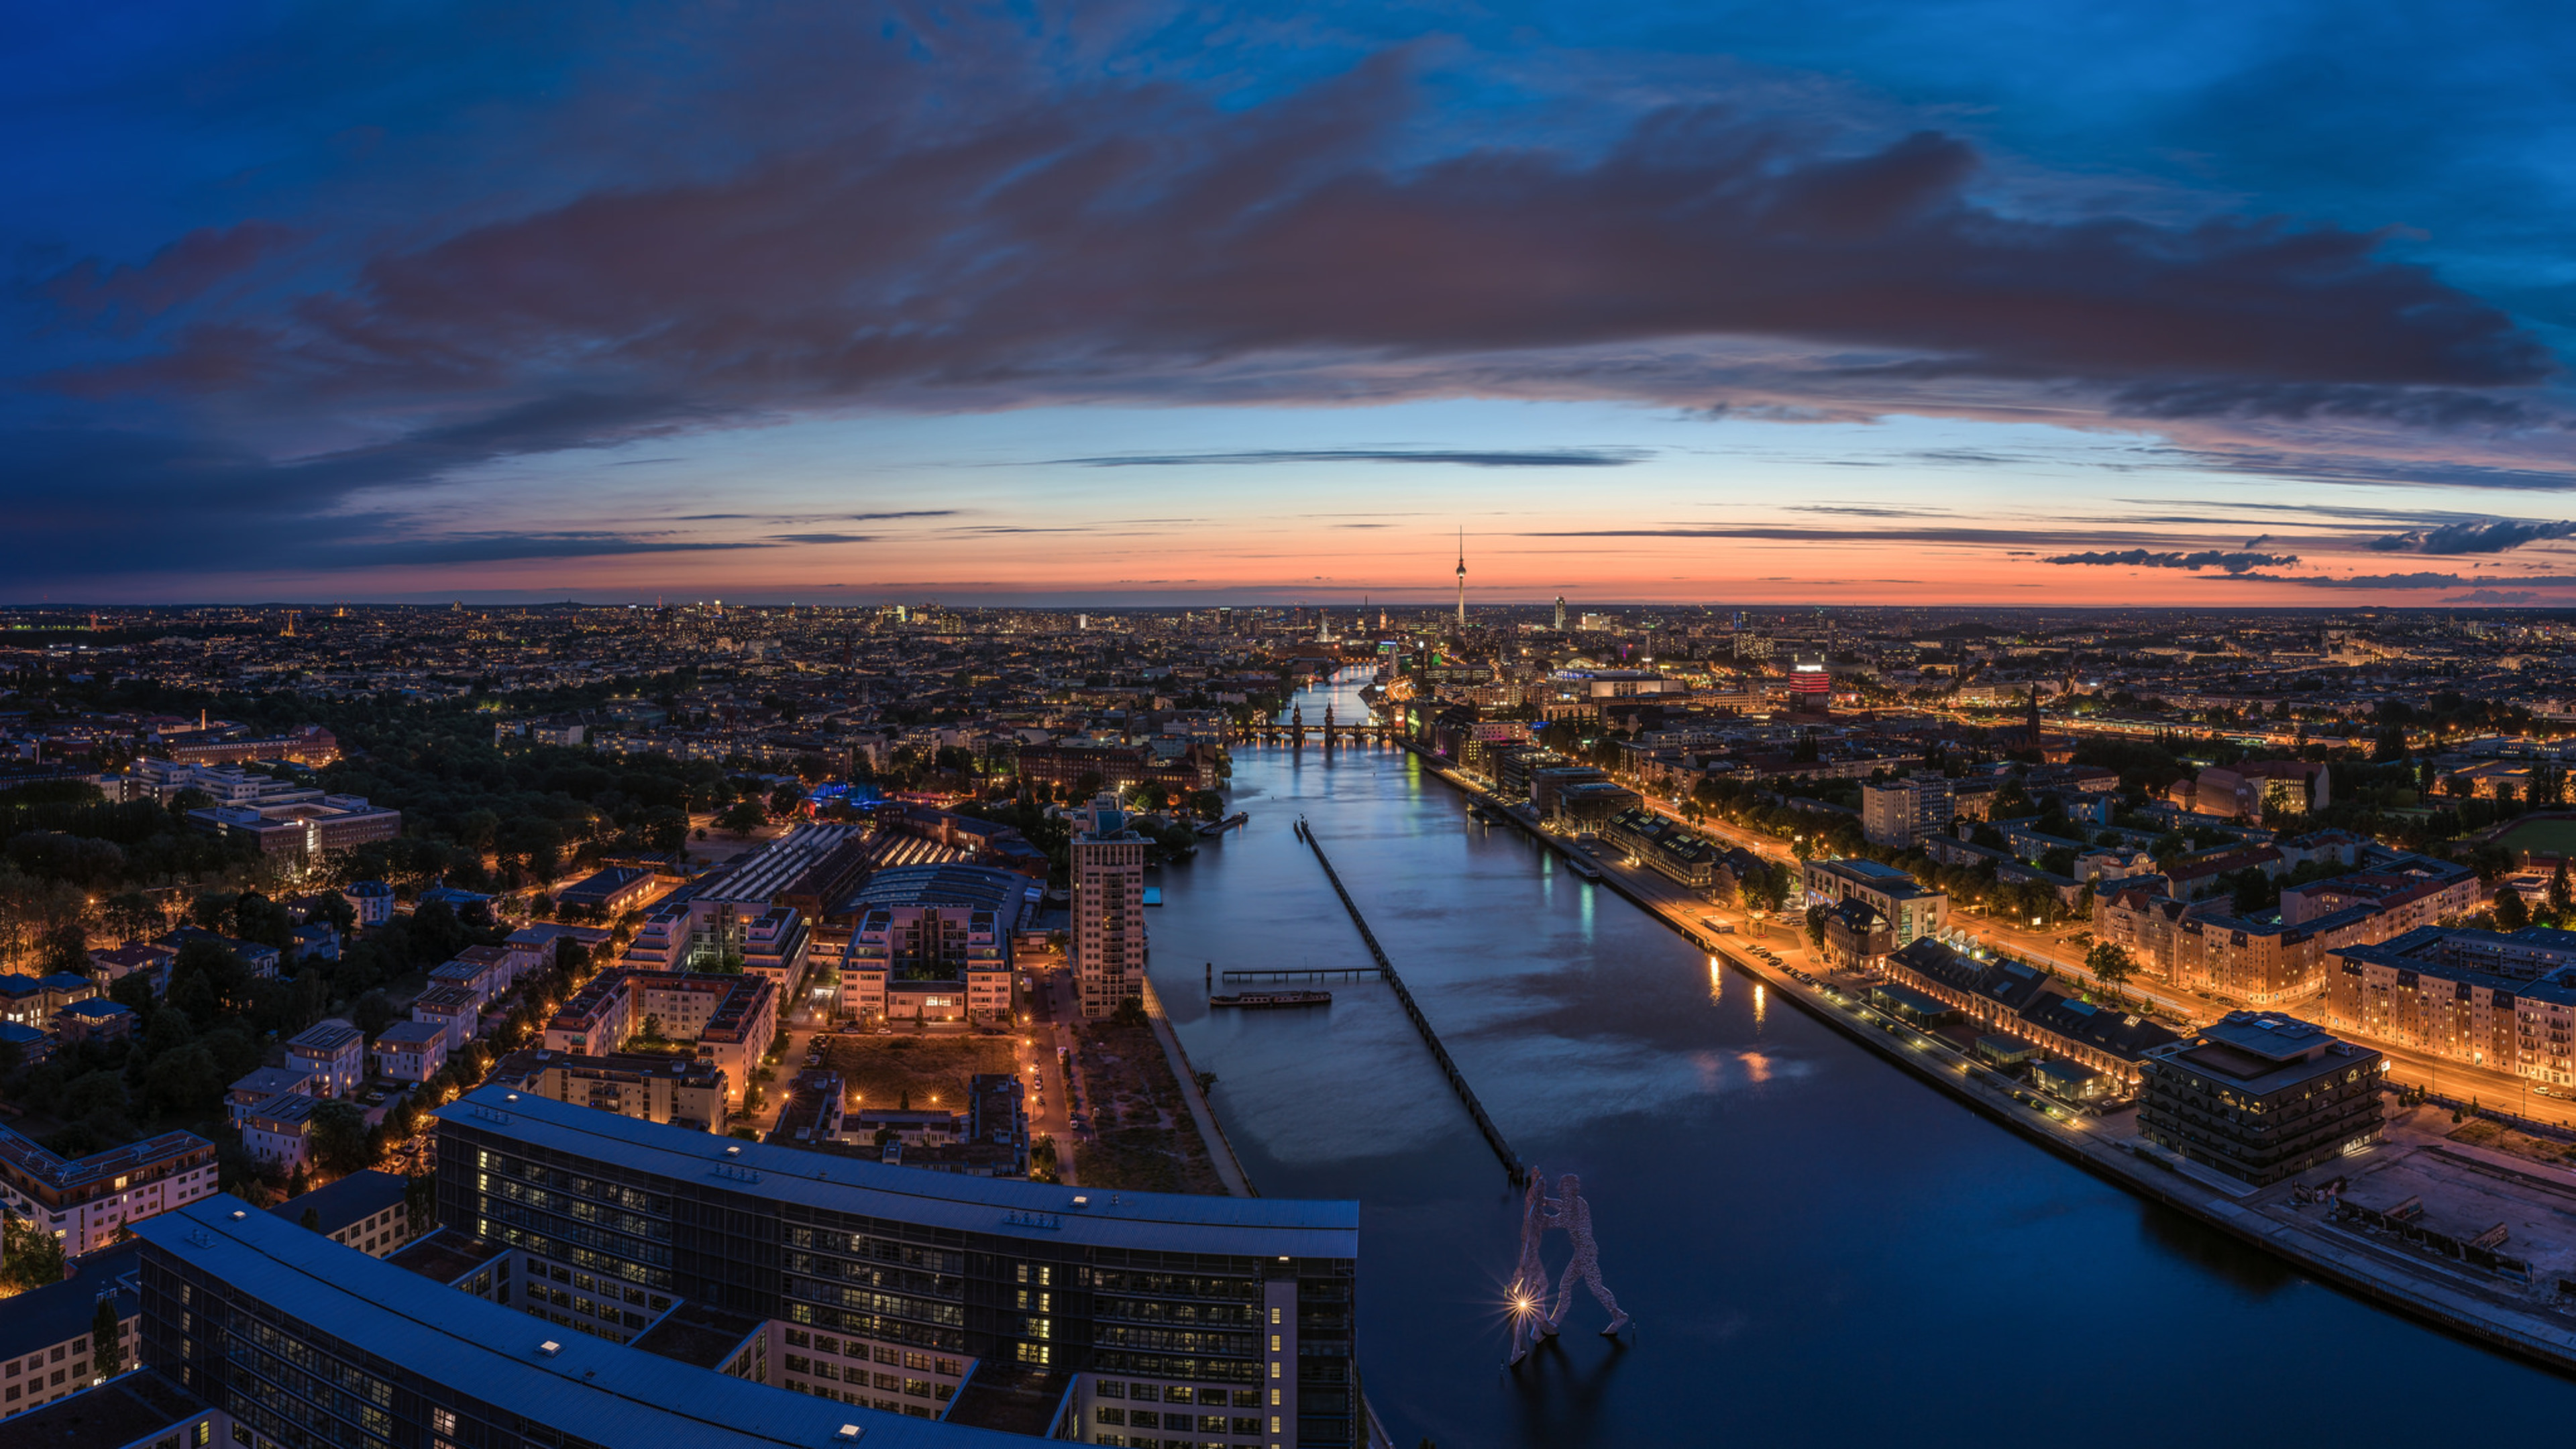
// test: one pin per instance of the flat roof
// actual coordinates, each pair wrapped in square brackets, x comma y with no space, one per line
[62,1311]
[124,1410]
[1253,1227]
[353,1199]
[608,1393]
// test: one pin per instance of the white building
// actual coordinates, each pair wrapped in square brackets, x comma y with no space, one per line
[411,1051]
[85,1201]
[334,1051]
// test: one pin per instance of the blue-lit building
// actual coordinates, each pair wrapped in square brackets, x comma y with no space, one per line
[1114,1318]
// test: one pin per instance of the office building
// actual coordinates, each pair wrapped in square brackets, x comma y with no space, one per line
[1899,814]
[2260,1096]
[305,822]
[298,1341]
[1004,1299]
[1811,689]
[1108,908]
[1909,908]
[84,1201]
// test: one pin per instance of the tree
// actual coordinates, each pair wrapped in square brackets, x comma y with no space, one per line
[1817,915]
[742,817]
[2512,912]
[2559,898]
[2110,964]
[29,1256]
[340,1137]
[107,1349]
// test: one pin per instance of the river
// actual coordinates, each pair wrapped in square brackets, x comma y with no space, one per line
[1817,1248]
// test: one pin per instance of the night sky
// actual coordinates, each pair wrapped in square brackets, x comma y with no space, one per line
[1999,301]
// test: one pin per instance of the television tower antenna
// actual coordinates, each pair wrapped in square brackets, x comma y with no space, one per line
[1462,578]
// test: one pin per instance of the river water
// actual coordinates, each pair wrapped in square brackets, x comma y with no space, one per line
[1817,1248]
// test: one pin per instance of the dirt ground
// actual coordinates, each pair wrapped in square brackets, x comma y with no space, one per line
[2496,1137]
[1146,1141]
[878,1070]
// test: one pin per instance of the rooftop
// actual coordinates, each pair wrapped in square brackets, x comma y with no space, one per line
[124,1410]
[608,1393]
[353,1199]
[1043,1212]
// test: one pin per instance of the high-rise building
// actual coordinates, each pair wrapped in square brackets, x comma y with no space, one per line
[1811,688]
[1900,813]
[1560,613]
[1108,907]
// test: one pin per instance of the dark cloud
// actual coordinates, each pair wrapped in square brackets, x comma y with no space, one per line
[2232,562]
[2492,535]
[2413,407]
[2410,581]
[1533,458]
[823,537]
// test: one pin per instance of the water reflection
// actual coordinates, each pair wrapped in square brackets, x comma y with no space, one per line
[1815,1245]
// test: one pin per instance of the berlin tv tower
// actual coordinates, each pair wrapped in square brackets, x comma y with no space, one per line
[1462,578]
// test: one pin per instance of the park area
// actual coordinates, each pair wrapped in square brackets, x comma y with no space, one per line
[2541,836]
[924,1071]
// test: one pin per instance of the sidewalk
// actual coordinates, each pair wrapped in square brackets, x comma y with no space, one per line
[1220,1152]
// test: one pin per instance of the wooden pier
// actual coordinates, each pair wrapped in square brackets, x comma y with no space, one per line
[1512,1164]
[1309,973]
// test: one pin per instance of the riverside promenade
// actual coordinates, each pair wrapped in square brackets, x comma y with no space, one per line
[2524,1320]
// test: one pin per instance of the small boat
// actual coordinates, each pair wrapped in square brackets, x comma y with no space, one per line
[1583,868]
[1250,999]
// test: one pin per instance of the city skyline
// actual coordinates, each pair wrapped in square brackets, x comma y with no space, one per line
[1156,307]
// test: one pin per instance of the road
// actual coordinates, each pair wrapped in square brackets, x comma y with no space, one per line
[1046,1034]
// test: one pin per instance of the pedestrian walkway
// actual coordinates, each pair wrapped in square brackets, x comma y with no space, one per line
[1220,1152]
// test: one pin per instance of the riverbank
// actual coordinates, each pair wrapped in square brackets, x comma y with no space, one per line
[2491,1312]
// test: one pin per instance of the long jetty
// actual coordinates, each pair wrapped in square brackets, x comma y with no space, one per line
[1512,1164]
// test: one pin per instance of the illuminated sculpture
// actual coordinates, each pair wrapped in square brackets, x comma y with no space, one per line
[1529,1280]
[1569,1211]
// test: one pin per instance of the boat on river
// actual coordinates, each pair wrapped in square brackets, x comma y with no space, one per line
[1256,999]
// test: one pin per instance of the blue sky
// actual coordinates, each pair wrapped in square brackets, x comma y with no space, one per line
[2249,303]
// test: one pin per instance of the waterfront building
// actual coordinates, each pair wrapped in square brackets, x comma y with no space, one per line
[85,1201]
[1857,936]
[730,1018]
[1109,947]
[1899,814]
[1665,846]
[683,1091]
[1910,908]
[299,1341]
[2009,997]
[1006,1294]
[2261,1097]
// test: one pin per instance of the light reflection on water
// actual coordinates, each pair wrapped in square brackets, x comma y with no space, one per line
[1815,1246]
